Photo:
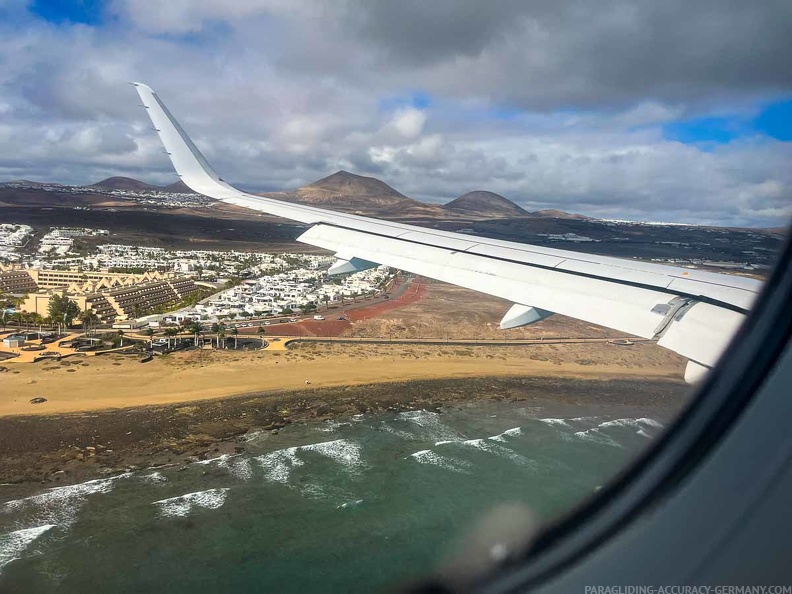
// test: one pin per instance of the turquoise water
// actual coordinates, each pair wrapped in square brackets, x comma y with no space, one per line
[351,506]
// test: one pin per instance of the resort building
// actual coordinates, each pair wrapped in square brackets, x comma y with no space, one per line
[17,282]
[112,298]
[87,280]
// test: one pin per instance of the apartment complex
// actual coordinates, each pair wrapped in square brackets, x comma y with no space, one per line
[87,280]
[130,302]
[113,296]
[16,282]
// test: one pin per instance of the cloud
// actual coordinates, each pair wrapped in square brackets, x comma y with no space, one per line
[552,104]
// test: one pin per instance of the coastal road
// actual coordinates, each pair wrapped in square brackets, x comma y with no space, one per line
[284,341]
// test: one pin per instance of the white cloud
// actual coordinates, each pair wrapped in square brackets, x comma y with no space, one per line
[286,92]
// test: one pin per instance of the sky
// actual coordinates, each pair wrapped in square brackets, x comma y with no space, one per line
[661,110]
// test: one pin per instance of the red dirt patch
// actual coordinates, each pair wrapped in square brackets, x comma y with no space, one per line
[404,294]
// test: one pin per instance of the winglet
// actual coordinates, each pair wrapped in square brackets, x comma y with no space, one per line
[188,161]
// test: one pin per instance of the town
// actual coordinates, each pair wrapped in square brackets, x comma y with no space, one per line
[133,288]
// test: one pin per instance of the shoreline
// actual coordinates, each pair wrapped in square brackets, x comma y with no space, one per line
[114,381]
[73,447]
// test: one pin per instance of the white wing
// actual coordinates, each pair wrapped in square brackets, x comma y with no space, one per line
[690,312]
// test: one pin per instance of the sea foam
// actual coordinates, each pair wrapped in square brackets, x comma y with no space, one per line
[235,464]
[13,544]
[597,436]
[59,505]
[486,445]
[435,459]
[342,451]
[350,504]
[561,422]
[278,465]
[634,423]
[184,504]
[508,433]
[428,425]
[154,478]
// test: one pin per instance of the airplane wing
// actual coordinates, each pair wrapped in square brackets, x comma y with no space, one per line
[691,312]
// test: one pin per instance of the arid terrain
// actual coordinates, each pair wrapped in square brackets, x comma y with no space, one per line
[446,311]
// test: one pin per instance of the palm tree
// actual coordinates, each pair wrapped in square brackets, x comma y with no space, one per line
[169,333]
[194,328]
[261,333]
[221,335]
[121,336]
[36,319]
[89,320]
[16,302]
[150,333]
[235,333]
[215,329]
[18,317]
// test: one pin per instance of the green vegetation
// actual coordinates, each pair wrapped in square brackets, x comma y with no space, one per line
[89,320]
[62,309]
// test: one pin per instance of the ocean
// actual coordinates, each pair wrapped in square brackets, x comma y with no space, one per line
[355,505]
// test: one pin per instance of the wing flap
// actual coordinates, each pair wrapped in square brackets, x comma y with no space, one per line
[624,308]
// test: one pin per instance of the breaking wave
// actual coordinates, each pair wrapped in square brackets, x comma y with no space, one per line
[235,464]
[561,422]
[487,445]
[435,459]
[508,433]
[278,465]
[597,436]
[183,504]
[13,544]
[155,478]
[635,423]
[59,505]
[422,424]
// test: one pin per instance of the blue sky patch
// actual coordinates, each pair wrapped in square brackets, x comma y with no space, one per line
[776,120]
[415,99]
[88,12]
[704,130]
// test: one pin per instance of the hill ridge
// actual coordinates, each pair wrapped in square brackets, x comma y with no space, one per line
[485,202]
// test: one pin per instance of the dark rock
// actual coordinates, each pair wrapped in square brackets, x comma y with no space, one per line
[38,400]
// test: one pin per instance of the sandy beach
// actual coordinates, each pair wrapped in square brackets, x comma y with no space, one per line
[118,381]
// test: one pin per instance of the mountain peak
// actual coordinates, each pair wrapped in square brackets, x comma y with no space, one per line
[125,183]
[351,184]
[178,187]
[481,202]
[552,213]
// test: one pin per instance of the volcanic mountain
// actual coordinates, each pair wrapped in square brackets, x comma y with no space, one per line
[359,194]
[125,183]
[482,203]
[552,213]
[178,187]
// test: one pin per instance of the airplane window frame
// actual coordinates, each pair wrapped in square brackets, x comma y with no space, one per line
[714,409]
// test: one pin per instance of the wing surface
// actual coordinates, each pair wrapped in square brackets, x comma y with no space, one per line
[691,312]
